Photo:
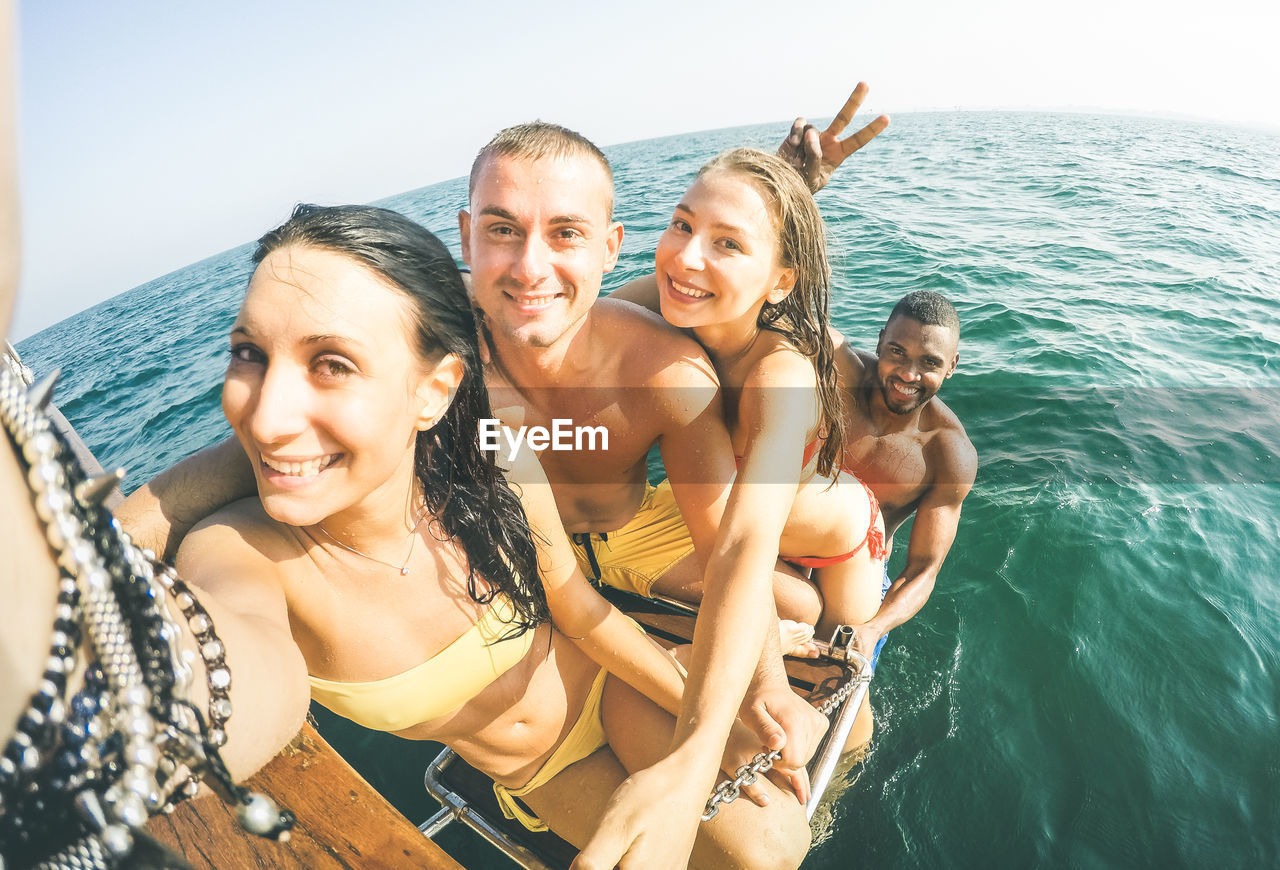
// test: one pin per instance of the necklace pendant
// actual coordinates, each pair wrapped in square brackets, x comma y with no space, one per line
[404,571]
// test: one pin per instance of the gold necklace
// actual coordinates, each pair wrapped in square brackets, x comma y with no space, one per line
[403,568]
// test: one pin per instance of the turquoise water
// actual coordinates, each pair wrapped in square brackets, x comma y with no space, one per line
[1094,682]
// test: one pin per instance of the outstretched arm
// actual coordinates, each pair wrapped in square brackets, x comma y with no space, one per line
[160,513]
[932,533]
[731,527]
[270,703]
[817,155]
[231,565]
[776,413]
[28,578]
[728,639]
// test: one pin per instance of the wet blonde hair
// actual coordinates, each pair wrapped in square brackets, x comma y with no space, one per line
[801,317]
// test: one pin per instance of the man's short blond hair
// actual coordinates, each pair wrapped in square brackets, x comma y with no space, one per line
[535,141]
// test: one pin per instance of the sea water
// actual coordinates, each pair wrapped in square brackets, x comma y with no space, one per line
[1094,682]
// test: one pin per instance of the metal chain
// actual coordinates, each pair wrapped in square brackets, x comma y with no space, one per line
[840,695]
[729,790]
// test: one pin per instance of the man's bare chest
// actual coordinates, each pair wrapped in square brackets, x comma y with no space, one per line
[593,435]
[893,466]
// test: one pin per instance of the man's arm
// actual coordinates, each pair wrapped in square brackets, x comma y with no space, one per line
[932,534]
[160,513]
[851,364]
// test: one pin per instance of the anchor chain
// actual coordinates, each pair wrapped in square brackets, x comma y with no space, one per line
[730,790]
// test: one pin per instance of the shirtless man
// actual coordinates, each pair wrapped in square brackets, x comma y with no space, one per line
[908,446]
[538,237]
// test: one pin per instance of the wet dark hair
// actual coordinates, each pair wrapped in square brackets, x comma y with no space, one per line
[929,308]
[464,489]
[803,316]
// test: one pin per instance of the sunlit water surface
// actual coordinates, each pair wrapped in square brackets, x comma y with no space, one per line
[1094,682]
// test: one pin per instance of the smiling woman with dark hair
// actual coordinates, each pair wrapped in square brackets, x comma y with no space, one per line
[457,485]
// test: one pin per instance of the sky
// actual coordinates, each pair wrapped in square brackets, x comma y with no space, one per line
[156,134]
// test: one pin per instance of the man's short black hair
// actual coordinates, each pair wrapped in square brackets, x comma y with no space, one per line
[929,308]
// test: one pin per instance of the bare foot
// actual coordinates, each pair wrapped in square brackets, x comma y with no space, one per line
[796,639]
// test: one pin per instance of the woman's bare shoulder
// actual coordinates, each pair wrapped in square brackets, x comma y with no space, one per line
[239,534]
[246,516]
[777,363]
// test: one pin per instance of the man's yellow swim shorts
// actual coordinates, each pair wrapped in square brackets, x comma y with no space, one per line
[648,546]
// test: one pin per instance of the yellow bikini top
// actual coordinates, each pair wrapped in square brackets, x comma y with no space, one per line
[442,683]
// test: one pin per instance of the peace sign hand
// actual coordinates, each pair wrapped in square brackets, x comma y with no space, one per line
[816,155]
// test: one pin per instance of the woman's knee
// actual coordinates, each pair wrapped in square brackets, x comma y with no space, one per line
[784,845]
[796,599]
[773,838]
